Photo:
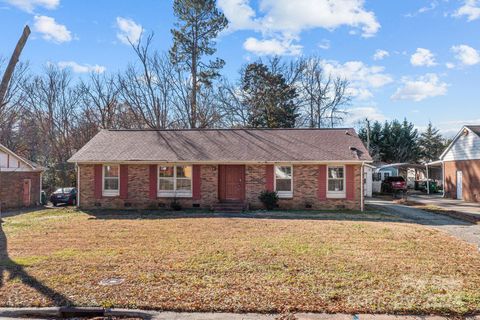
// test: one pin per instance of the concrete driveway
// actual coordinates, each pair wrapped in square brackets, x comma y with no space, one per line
[455,227]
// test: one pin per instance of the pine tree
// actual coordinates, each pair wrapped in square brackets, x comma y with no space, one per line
[431,143]
[268,97]
[199,23]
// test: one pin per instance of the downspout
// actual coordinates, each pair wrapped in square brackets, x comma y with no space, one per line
[41,187]
[443,179]
[78,184]
[362,196]
[428,179]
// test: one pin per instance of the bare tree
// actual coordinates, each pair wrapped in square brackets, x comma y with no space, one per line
[322,96]
[53,102]
[146,88]
[100,97]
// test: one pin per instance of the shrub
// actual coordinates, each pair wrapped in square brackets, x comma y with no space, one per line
[269,199]
[175,205]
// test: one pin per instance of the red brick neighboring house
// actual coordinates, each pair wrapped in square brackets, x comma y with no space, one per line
[221,168]
[20,181]
[461,165]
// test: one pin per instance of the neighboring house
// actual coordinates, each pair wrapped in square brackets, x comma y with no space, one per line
[461,165]
[20,181]
[217,168]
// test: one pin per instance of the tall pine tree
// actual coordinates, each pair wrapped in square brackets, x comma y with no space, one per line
[432,143]
[268,97]
[198,24]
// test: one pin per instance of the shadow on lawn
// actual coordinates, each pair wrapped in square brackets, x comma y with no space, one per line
[16,271]
[343,215]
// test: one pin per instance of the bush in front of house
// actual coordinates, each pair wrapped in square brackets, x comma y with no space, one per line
[269,199]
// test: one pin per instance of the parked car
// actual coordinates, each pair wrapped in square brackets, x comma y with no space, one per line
[64,195]
[394,184]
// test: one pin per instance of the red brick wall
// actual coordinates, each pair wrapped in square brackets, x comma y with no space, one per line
[470,176]
[11,189]
[305,179]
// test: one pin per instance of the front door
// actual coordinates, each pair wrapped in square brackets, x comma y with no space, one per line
[232,182]
[27,184]
[459,185]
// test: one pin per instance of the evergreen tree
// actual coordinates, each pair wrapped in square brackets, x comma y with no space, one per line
[199,23]
[432,143]
[268,97]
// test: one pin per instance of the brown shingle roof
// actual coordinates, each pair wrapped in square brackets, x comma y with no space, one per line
[263,145]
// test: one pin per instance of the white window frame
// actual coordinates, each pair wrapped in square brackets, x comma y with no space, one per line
[283,194]
[337,194]
[110,193]
[174,193]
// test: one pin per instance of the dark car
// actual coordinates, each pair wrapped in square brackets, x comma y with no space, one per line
[64,195]
[394,184]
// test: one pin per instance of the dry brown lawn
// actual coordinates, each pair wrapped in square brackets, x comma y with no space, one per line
[338,264]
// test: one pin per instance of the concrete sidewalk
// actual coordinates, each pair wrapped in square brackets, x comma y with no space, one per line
[89,313]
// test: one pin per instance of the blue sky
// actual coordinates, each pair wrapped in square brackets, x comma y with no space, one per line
[418,59]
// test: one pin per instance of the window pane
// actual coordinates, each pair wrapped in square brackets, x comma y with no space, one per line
[335,173]
[111,171]
[165,171]
[111,184]
[335,185]
[284,185]
[165,184]
[184,171]
[284,172]
[184,184]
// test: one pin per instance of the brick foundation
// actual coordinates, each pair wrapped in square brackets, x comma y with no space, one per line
[305,179]
[11,189]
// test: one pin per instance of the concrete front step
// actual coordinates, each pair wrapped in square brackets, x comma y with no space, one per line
[229,206]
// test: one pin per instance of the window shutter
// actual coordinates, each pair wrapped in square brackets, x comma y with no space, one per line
[97,180]
[322,182]
[153,182]
[123,181]
[197,182]
[269,172]
[350,181]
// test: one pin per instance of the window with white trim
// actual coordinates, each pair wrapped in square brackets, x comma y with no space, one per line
[336,182]
[174,181]
[284,181]
[111,180]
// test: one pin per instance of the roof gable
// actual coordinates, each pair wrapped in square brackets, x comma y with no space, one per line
[224,145]
[474,131]
[25,163]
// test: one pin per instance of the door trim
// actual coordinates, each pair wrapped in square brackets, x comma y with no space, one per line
[222,174]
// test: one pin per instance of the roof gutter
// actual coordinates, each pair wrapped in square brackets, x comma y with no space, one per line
[218,162]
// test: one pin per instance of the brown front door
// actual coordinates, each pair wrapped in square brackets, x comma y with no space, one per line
[232,182]
[27,183]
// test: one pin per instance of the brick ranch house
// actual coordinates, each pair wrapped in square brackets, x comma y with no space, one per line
[461,165]
[20,181]
[221,168]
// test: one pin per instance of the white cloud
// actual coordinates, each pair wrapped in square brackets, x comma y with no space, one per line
[81,68]
[423,57]
[424,9]
[427,86]
[362,78]
[470,9]
[51,30]
[450,65]
[239,13]
[129,31]
[285,20]
[324,44]
[358,114]
[271,47]
[380,54]
[467,55]
[30,5]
